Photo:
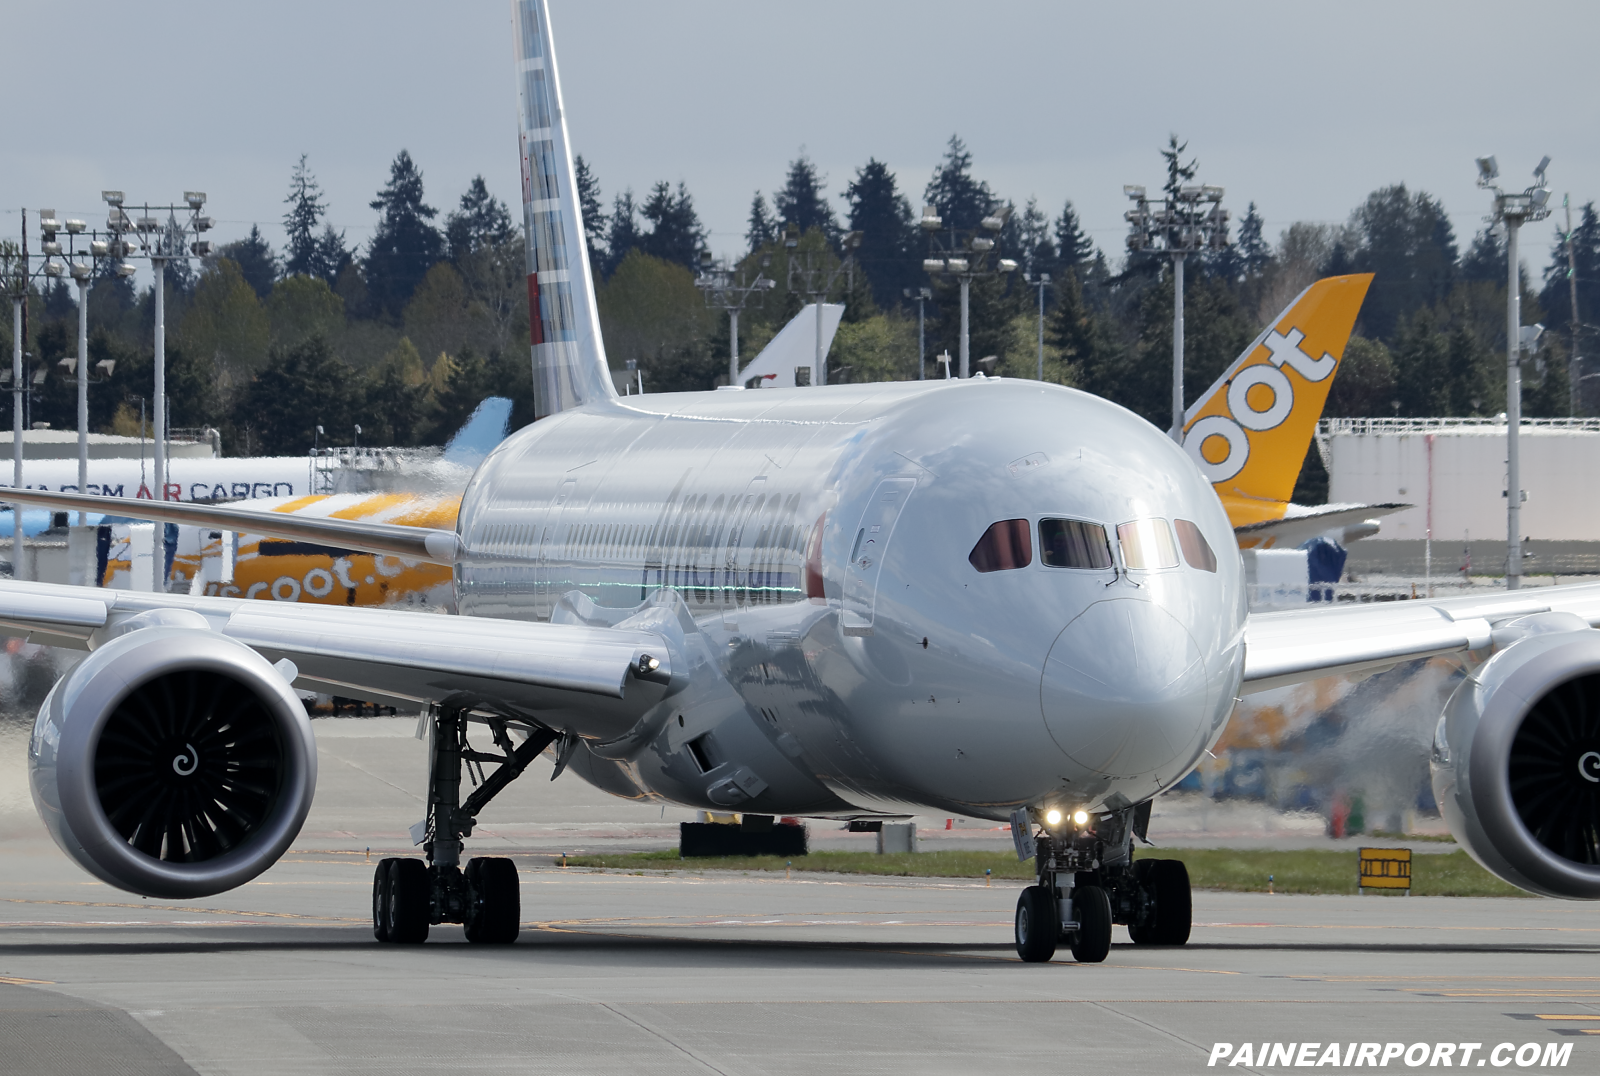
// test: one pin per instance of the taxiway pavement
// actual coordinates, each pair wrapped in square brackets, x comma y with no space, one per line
[686,972]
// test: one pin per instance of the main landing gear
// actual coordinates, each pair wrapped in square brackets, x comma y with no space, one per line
[1089,880]
[409,895]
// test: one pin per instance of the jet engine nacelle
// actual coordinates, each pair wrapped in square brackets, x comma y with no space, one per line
[1516,758]
[173,761]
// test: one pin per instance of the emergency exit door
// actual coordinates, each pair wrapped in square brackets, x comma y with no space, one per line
[868,548]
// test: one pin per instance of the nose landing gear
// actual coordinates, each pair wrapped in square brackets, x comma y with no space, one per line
[1088,880]
[407,894]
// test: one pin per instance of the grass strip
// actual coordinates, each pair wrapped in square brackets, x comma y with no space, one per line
[1308,870]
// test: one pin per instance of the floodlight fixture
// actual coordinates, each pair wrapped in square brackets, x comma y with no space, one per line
[200,249]
[705,257]
[1044,278]
[1539,196]
[982,243]
[147,224]
[1213,193]
[54,268]
[931,221]
[111,197]
[1529,337]
[70,363]
[126,269]
[108,365]
[933,265]
[99,248]
[1488,170]
[1007,265]
[81,271]
[956,265]
[51,247]
[852,241]
[1538,171]
[75,227]
[196,199]
[1134,191]
[39,376]
[992,223]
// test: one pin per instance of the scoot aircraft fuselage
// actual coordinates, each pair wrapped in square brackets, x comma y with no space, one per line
[966,595]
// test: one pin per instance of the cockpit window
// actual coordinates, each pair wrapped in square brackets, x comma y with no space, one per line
[1006,544]
[1196,550]
[1146,544]
[1070,543]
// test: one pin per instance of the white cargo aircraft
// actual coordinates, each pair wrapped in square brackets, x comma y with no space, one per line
[1000,598]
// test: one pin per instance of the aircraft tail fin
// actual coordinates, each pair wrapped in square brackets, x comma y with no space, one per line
[484,429]
[569,358]
[794,346]
[1249,433]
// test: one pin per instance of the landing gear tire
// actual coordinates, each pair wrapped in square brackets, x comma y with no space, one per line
[1169,879]
[1037,925]
[401,894]
[380,899]
[1166,881]
[1092,940]
[494,907]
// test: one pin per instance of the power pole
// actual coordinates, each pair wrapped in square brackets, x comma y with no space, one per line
[1574,377]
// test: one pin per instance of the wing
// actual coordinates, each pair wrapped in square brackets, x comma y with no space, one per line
[597,681]
[1306,523]
[418,543]
[1291,647]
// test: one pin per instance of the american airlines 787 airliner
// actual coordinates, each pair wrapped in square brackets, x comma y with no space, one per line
[1004,598]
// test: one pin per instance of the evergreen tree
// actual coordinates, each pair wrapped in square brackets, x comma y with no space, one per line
[623,233]
[594,217]
[1485,260]
[675,231]
[405,246]
[888,251]
[1074,248]
[961,200]
[1407,241]
[1255,253]
[1177,171]
[481,221]
[761,229]
[332,257]
[300,223]
[1035,250]
[803,201]
[253,254]
[1556,298]
[299,389]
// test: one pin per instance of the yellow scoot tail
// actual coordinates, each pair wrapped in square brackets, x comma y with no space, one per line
[1250,432]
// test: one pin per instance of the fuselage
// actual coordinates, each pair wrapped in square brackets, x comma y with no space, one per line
[861,635]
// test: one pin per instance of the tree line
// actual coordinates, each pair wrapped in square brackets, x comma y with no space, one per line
[405,333]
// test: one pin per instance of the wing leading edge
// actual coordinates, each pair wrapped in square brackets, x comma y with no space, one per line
[386,539]
[597,681]
[1291,647]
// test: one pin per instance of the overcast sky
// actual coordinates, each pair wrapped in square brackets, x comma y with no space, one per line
[1302,108]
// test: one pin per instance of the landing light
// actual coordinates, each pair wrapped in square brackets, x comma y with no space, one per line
[1080,817]
[1052,817]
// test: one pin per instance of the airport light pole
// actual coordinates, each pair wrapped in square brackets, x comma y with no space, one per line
[1514,210]
[1042,283]
[964,254]
[921,295]
[1186,220]
[716,280]
[159,241]
[815,280]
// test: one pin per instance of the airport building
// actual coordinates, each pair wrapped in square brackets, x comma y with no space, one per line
[1453,472]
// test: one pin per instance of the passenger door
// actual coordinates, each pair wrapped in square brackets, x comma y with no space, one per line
[867,551]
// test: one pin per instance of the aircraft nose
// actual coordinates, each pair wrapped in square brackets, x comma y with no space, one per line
[1124,690]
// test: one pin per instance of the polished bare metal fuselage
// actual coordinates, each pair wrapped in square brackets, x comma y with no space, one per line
[915,681]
